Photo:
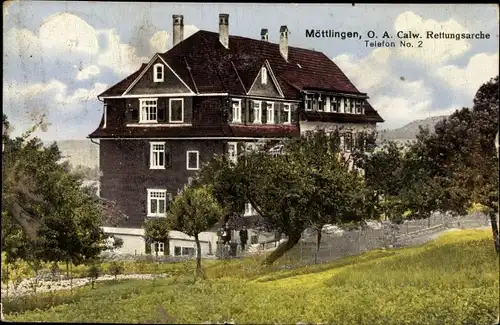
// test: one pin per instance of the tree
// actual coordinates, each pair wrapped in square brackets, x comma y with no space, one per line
[192,212]
[310,184]
[156,231]
[45,206]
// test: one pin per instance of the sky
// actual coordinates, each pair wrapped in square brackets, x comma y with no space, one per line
[58,56]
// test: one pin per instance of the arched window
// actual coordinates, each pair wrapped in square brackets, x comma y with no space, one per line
[158,73]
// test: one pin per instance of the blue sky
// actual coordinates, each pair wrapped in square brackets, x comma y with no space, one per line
[58,56]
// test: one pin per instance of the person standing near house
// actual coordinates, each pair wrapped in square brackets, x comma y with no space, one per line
[226,234]
[243,237]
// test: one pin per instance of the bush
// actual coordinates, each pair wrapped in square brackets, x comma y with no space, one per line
[116,268]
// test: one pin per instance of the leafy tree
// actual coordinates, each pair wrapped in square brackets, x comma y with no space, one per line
[462,159]
[310,184]
[156,230]
[192,212]
[45,207]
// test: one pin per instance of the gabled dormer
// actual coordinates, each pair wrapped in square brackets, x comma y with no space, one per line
[265,83]
[158,78]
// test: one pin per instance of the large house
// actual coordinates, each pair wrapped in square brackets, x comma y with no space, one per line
[212,93]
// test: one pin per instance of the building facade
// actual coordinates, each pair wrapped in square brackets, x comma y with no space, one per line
[212,93]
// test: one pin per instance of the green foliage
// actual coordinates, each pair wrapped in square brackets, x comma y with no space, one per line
[93,272]
[450,281]
[310,184]
[116,268]
[156,230]
[46,214]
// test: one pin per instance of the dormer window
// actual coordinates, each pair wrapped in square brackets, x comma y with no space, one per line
[158,73]
[263,75]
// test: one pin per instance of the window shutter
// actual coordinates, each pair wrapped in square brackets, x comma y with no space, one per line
[293,108]
[146,153]
[166,248]
[168,155]
[162,106]
[228,107]
[263,112]
[243,111]
[277,107]
[251,113]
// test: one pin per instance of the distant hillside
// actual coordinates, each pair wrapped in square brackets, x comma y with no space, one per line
[409,131]
[79,152]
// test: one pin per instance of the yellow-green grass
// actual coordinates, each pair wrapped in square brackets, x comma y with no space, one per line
[452,280]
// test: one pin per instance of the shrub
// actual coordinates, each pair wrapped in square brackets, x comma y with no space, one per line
[116,268]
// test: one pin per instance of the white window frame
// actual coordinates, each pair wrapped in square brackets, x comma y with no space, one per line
[197,159]
[287,108]
[318,105]
[181,247]
[336,100]
[105,112]
[257,107]
[161,247]
[327,104]
[152,152]
[142,110]
[236,109]
[263,75]
[170,100]
[150,192]
[358,104]
[309,100]
[348,105]
[232,155]
[272,112]
[156,67]
[341,105]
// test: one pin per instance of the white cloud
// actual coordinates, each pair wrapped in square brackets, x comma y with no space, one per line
[376,63]
[480,68]
[432,50]
[159,42]
[21,42]
[19,91]
[65,32]
[86,73]
[83,95]
[121,58]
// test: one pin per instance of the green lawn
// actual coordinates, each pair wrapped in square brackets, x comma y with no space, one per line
[452,280]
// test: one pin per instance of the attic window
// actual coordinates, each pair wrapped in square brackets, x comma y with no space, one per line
[158,73]
[264,75]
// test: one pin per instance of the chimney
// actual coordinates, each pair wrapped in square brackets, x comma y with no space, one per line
[224,30]
[284,42]
[264,35]
[178,29]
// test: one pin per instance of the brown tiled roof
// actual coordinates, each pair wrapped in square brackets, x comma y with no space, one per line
[198,131]
[120,87]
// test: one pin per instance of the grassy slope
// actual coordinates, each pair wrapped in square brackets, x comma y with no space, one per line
[453,280]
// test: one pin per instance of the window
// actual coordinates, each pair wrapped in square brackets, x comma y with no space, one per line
[270,113]
[263,75]
[176,110]
[149,110]
[348,108]
[232,151]
[359,106]
[334,104]
[184,251]
[315,104]
[236,110]
[309,103]
[287,114]
[158,73]
[321,104]
[193,160]
[347,142]
[157,155]
[157,203]
[158,247]
[257,112]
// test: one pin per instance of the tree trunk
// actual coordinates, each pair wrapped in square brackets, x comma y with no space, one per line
[494,228]
[293,239]
[198,256]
